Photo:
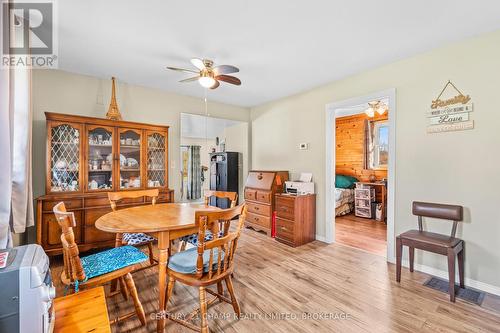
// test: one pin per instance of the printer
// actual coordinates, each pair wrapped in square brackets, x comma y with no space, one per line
[300,187]
[26,291]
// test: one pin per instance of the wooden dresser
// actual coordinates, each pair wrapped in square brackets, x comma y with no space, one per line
[259,196]
[295,219]
[88,157]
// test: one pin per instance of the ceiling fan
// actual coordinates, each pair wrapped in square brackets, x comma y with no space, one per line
[208,75]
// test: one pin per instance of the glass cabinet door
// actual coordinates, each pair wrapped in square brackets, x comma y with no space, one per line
[156,163]
[99,158]
[130,159]
[64,158]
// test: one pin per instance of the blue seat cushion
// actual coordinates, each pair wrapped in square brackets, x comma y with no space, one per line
[111,260]
[193,238]
[137,238]
[185,261]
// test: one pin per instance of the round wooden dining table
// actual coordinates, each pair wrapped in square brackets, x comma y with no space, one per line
[166,222]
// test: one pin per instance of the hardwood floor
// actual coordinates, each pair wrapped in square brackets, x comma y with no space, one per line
[336,288]
[365,234]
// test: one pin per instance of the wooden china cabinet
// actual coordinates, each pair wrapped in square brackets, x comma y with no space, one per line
[88,157]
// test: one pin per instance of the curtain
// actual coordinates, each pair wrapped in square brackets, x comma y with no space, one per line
[16,201]
[5,152]
[194,173]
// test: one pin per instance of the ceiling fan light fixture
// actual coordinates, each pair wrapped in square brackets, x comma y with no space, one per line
[381,109]
[370,112]
[206,81]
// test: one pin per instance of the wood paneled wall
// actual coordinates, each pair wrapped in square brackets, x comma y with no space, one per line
[350,141]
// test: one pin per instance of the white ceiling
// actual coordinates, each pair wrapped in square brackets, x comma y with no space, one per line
[281,47]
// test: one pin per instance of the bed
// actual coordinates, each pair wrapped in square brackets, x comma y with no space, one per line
[344,201]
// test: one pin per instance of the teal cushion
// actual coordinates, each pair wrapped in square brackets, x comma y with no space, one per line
[111,260]
[342,181]
[185,261]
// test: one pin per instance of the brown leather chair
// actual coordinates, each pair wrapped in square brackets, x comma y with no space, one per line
[449,246]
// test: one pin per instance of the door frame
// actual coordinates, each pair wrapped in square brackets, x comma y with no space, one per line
[330,116]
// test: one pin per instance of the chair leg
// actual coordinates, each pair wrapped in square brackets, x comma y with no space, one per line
[461,259]
[399,251]
[118,243]
[137,303]
[123,288]
[151,257]
[170,288]
[234,301]
[203,311]
[220,289]
[451,274]
[412,257]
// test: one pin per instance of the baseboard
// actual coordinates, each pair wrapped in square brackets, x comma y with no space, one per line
[321,238]
[444,275]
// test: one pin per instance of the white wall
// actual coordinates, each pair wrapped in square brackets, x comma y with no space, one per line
[457,167]
[237,141]
[63,92]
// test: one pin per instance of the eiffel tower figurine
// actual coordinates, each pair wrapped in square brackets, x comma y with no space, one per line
[113,111]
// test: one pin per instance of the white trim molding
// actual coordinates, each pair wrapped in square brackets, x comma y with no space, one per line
[321,238]
[330,115]
[491,289]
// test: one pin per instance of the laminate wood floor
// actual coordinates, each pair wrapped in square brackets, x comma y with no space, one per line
[314,288]
[365,234]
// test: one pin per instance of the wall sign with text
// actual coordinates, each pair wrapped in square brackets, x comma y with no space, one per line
[452,114]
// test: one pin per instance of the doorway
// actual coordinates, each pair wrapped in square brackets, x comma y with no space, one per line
[360,150]
[203,140]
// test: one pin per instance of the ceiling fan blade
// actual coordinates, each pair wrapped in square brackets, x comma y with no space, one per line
[225,69]
[190,79]
[229,79]
[182,70]
[198,63]
[216,84]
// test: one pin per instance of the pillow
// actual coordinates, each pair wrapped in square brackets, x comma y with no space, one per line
[343,181]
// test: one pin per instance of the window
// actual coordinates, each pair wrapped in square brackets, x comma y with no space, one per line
[378,145]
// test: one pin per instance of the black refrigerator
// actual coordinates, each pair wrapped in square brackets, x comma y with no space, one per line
[224,175]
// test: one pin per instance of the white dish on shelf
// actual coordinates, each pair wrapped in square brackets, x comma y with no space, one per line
[61,164]
[132,162]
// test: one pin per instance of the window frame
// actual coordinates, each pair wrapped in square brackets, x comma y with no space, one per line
[377,125]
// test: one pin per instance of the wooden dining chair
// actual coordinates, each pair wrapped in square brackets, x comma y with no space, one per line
[449,246]
[99,268]
[210,263]
[135,239]
[193,239]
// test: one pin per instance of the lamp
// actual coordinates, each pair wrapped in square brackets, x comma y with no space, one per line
[382,108]
[206,81]
[370,112]
[377,106]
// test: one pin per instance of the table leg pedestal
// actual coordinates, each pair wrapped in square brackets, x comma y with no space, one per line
[163,245]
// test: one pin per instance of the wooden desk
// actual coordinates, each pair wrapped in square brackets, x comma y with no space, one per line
[383,195]
[85,311]
[164,221]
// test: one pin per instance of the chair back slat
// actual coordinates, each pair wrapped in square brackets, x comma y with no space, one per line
[73,268]
[115,197]
[231,196]
[440,211]
[223,244]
